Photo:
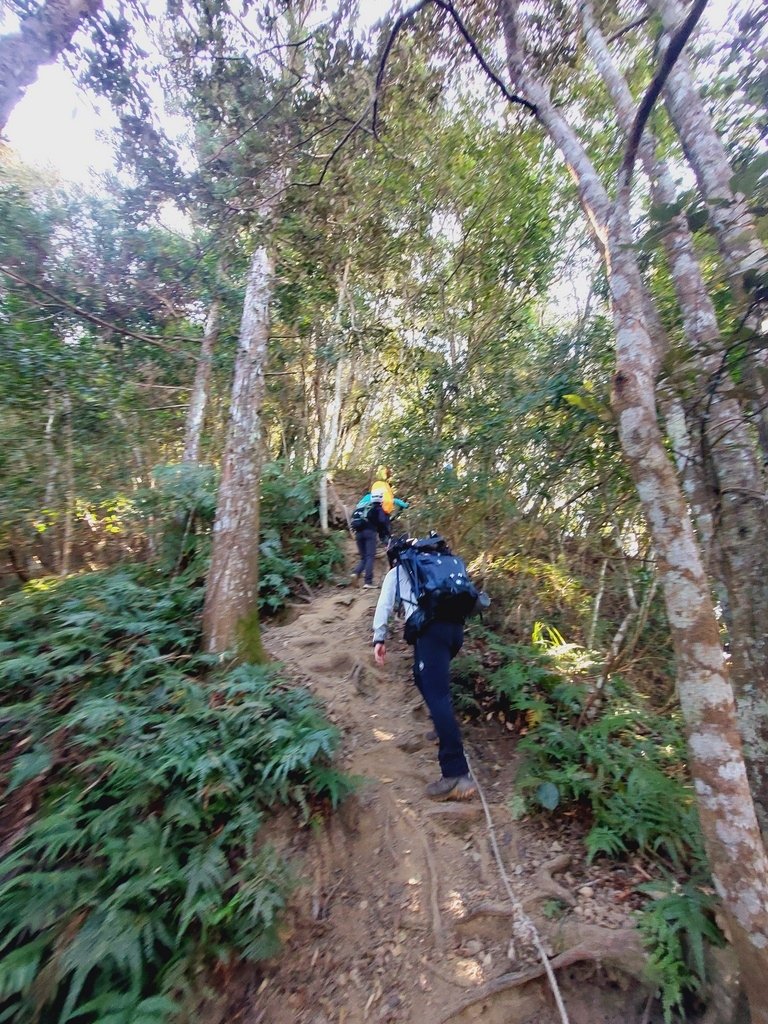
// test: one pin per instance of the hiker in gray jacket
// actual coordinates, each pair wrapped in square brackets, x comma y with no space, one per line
[433,650]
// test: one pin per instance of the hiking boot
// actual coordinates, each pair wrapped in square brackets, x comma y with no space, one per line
[369,586]
[461,788]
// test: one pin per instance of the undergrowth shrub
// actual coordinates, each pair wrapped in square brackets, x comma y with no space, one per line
[180,510]
[626,766]
[151,776]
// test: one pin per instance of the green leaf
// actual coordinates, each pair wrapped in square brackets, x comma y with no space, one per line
[29,766]
[548,795]
[747,178]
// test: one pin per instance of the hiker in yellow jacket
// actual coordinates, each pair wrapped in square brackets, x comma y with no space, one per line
[381,484]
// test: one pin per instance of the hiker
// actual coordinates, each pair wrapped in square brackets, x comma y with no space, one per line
[435,627]
[369,521]
[383,483]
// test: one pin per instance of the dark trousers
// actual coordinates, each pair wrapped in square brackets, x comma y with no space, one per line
[366,546]
[432,655]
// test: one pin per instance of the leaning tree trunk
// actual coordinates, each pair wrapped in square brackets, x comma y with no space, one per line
[44,34]
[230,614]
[726,448]
[734,845]
[199,398]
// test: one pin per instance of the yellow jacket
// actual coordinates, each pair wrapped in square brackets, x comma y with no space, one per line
[388,501]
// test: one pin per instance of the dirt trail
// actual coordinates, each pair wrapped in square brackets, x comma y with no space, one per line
[386,926]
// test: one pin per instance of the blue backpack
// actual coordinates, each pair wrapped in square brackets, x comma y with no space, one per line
[362,514]
[440,584]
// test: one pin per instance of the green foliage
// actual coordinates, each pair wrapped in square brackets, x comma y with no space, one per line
[292,545]
[152,777]
[675,926]
[627,764]
[180,509]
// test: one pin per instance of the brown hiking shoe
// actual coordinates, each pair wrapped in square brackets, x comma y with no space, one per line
[461,788]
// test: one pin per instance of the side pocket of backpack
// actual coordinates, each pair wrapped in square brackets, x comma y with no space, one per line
[414,626]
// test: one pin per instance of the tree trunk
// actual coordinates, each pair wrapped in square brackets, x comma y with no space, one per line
[332,419]
[740,507]
[199,397]
[231,615]
[734,845]
[48,555]
[732,837]
[69,487]
[44,34]
[729,213]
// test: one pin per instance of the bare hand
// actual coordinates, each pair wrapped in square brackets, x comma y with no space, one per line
[379,653]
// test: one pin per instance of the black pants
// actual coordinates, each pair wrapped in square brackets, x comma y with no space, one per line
[432,655]
[366,546]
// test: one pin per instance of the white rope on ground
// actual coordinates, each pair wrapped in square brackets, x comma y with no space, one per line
[520,915]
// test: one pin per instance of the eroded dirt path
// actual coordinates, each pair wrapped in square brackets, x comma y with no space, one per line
[402,914]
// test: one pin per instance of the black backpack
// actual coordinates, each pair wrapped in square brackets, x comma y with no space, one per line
[362,515]
[440,584]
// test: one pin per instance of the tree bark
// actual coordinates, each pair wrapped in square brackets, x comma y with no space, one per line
[69,486]
[732,837]
[734,845]
[230,614]
[736,500]
[332,420]
[44,34]
[729,213]
[199,398]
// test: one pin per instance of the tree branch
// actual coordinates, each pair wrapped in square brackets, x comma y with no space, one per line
[627,28]
[676,44]
[449,9]
[94,319]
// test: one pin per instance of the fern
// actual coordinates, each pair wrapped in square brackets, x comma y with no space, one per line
[146,859]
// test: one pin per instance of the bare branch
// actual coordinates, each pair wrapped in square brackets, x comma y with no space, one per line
[676,44]
[99,321]
[627,28]
[449,9]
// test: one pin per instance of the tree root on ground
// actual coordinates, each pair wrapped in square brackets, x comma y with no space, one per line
[619,948]
[544,887]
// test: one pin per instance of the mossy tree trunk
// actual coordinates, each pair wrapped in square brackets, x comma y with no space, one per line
[230,614]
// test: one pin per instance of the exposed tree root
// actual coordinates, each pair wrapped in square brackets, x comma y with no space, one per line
[620,947]
[546,884]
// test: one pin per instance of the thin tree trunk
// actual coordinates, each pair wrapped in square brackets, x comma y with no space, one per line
[734,845]
[596,608]
[69,487]
[52,470]
[230,614]
[332,421]
[741,508]
[199,398]
[43,35]
[332,418]
[729,213]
